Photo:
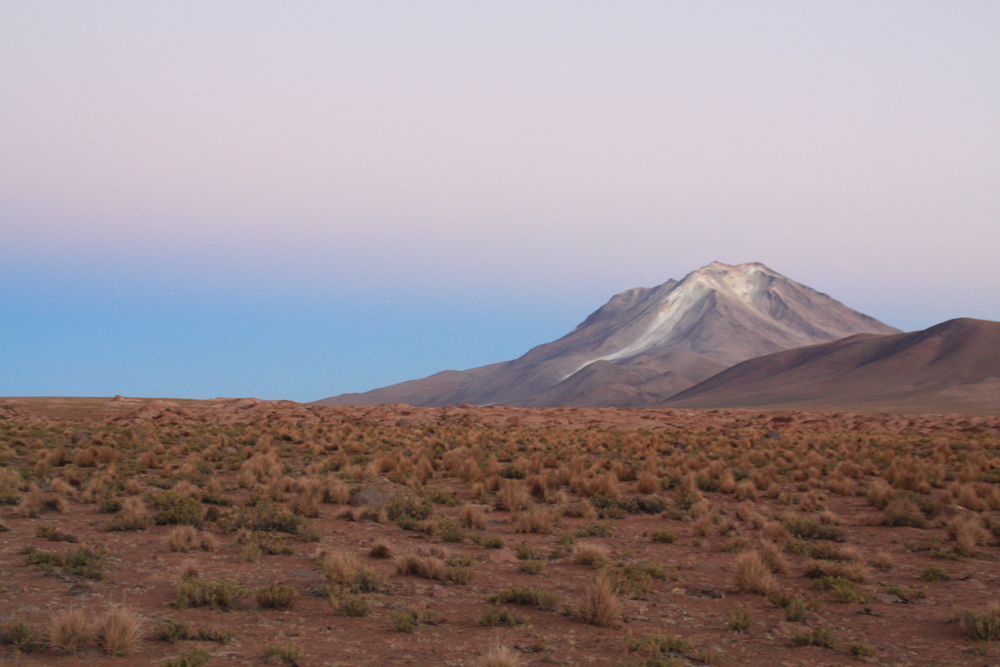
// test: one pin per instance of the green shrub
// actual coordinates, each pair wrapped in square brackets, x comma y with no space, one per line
[290,654]
[738,619]
[346,603]
[657,644]
[409,511]
[264,516]
[843,590]
[528,597]
[196,657]
[532,566]
[172,507]
[449,531]
[524,552]
[664,536]
[806,528]
[862,651]
[820,636]
[460,574]
[196,592]
[85,561]
[172,631]
[492,541]
[439,496]
[934,573]
[18,635]
[795,605]
[501,616]
[409,620]
[276,596]
[984,626]
[903,512]
[123,521]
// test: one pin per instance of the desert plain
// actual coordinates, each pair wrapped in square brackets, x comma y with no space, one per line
[245,532]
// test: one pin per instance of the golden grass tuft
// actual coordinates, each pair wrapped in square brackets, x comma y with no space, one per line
[428,567]
[340,567]
[69,631]
[594,555]
[472,517]
[498,655]
[117,631]
[752,574]
[600,604]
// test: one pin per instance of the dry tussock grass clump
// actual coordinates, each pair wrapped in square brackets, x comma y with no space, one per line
[340,567]
[69,631]
[968,533]
[188,538]
[513,496]
[427,567]
[533,521]
[752,574]
[382,549]
[883,561]
[472,517]
[593,555]
[580,509]
[499,655]
[336,492]
[648,482]
[772,555]
[600,605]
[117,631]
[605,485]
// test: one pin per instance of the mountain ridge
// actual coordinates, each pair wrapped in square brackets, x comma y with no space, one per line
[954,365]
[713,318]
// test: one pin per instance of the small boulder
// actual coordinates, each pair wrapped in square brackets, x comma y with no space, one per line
[380,492]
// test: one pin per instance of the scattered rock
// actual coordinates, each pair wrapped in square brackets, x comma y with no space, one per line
[380,492]
[499,556]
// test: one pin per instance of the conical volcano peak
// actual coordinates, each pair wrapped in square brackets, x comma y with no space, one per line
[645,344]
[742,282]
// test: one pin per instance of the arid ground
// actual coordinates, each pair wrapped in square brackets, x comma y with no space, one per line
[242,532]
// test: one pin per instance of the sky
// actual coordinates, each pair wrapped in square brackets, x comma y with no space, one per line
[299,199]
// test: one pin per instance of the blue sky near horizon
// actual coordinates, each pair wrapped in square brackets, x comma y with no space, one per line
[295,200]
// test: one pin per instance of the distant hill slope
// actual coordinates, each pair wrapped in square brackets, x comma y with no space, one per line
[950,367]
[646,344]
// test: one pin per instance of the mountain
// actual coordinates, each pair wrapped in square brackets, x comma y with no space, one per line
[647,344]
[950,367]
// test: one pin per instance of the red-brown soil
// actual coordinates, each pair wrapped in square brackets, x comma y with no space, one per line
[824,467]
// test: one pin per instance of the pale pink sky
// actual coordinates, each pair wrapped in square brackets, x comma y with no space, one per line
[514,154]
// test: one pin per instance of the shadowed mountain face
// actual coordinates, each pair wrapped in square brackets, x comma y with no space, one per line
[647,344]
[950,367]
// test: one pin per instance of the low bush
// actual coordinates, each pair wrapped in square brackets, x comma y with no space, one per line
[290,654]
[409,620]
[117,632]
[196,657]
[85,561]
[528,597]
[172,507]
[738,619]
[600,604]
[820,636]
[276,596]
[18,635]
[196,592]
[984,626]
[69,631]
[494,615]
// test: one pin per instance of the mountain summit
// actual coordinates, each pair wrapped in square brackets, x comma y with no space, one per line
[647,344]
